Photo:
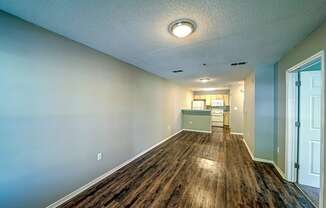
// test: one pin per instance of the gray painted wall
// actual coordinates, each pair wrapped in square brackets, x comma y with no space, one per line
[62,103]
[236,107]
[314,43]
[249,111]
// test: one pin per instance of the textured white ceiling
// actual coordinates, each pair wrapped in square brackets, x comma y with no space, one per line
[256,31]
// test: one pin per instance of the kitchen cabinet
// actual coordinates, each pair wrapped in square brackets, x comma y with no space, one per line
[208,98]
[222,120]
[226,116]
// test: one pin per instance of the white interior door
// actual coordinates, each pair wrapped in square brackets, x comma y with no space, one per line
[309,139]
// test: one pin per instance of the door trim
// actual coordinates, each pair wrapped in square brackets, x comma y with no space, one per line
[290,128]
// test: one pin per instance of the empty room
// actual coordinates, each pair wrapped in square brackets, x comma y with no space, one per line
[183,103]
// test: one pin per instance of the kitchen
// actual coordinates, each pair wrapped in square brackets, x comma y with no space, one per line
[215,109]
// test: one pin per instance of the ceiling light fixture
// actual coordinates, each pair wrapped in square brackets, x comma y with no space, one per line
[182,28]
[204,80]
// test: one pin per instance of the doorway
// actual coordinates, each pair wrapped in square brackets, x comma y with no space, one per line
[309,129]
[305,127]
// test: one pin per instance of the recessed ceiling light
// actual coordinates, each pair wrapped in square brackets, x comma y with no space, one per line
[209,89]
[204,79]
[182,28]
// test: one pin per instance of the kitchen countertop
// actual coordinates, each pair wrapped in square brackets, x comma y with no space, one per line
[197,120]
[197,112]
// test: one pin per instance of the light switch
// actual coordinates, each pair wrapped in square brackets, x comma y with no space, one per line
[99,156]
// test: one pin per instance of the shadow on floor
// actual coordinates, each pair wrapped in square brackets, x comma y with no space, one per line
[312,193]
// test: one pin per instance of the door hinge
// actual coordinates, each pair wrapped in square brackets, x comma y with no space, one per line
[296,165]
[298,83]
[297,123]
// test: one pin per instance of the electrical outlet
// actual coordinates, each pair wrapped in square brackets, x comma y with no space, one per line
[169,127]
[190,122]
[278,149]
[99,156]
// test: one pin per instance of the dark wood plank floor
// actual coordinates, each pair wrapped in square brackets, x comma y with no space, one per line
[311,192]
[194,170]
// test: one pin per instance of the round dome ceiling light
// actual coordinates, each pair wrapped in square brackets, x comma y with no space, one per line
[182,28]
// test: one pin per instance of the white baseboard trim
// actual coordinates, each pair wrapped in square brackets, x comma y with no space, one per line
[265,161]
[249,150]
[200,131]
[280,171]
[236,133]
[98,179]
[275,166]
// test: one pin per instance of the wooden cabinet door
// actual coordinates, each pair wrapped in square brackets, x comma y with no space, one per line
[208,100]
[226,100]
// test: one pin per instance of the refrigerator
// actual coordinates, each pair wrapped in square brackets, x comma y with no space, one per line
[198,104]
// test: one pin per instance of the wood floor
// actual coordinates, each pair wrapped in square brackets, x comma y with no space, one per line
[311,192]
[194,170]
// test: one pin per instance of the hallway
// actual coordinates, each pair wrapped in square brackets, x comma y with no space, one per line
[194,170]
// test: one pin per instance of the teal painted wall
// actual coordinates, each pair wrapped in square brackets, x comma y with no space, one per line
[259,118]
[264,112]
[196,121]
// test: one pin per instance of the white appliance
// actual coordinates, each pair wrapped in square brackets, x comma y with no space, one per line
[217,113]
[198,104]
[217,103]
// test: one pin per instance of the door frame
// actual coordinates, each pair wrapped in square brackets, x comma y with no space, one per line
[291,147]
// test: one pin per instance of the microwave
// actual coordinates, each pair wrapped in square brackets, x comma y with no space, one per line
[217,103]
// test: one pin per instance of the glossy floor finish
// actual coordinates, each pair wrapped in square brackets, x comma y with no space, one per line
[194,170]
[312,193]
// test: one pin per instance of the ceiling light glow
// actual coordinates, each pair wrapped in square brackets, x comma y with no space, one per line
[204,80]
[182,28]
